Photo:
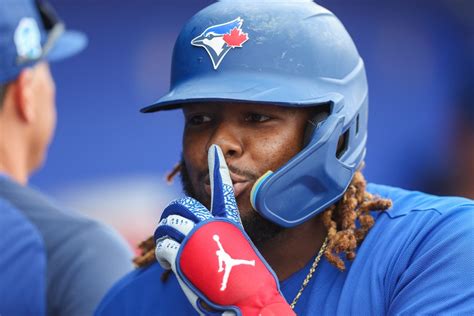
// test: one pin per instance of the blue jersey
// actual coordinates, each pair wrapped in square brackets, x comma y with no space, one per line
[418,258]
[22,265]
[79,252]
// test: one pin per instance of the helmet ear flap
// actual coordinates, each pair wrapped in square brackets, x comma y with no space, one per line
[315,175]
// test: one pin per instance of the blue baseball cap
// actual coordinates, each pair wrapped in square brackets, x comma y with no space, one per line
[30,31]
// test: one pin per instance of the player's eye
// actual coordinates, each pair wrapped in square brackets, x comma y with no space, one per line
[198,119]
[256,117]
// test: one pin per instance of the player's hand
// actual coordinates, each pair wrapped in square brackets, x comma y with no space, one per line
[213,259]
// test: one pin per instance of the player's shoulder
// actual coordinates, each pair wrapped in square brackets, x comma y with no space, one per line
[417,244]
[9,214]
[415,225]
[415,203]
[14,223]
[39,208]
[18,228]
[144,292]
[54,222]
[22,286]
[424,217]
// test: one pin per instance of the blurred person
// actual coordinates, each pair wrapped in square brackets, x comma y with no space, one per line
[22,265]
[458,177]
[77,274]
[279,219]
[462,178]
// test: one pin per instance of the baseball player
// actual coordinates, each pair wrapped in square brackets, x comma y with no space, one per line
[279,219]
[75,274]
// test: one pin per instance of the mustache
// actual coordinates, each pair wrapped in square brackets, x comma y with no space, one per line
[203,176]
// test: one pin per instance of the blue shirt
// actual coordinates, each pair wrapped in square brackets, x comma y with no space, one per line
[22,265]
[84,258]
[418,258]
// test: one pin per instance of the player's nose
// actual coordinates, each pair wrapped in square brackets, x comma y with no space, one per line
[228,139]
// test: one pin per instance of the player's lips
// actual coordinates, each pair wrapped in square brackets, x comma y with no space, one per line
[240,184]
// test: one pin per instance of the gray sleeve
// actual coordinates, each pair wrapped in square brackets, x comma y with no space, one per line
[94,259]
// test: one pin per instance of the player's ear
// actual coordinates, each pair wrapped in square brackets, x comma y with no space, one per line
[23,98]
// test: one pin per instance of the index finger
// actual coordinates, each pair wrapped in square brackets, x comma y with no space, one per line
[223,203]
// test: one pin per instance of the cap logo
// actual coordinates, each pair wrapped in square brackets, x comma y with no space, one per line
[28,39]
[219,39]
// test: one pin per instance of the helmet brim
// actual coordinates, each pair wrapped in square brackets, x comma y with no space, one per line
[249,88]
[68,44]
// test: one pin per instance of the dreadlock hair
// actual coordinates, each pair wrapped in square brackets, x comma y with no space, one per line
[347,223]
[341,220]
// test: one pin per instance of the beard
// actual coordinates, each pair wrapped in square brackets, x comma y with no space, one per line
[259,229]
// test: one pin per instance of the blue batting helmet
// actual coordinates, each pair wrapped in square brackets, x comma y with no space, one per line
[289,53]
[30,31]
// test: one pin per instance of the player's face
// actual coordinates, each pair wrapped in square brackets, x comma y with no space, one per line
[254,139]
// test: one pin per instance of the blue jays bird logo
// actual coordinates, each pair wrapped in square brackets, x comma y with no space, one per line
[219,39]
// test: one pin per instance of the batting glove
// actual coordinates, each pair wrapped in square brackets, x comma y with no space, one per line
[213,259]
